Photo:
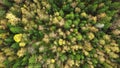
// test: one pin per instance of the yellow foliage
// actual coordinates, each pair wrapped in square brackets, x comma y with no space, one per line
[91,36]
[83,14]
[52,61]
[17,37]
[22,44]
[61,42]
[21,52]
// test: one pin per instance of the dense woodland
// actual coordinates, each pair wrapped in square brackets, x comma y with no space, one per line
[59,33]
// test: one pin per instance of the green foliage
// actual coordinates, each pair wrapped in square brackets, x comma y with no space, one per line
[7,63]
[70,16]
[81,5]
[17,64]
[67,8]
[63,57]
[32,59]
[85,65]
[68,24]
[2,13]
[115,5]
[77,57]
[2,31]
[36,34]
[9,40]
[15,46]
[107,65]
[61,13]
[95,61]
[7,3]
[15,29]
[92,8]
[79,37]
[77,20]
[25,60]
[103,9]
